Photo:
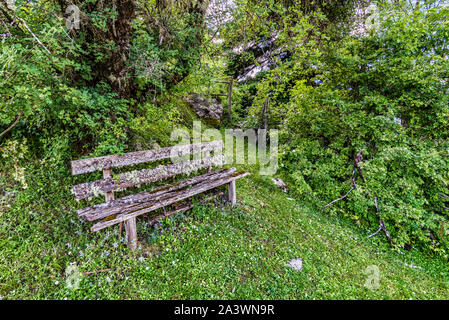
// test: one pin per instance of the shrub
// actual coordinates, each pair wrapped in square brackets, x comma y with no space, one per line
[381,116]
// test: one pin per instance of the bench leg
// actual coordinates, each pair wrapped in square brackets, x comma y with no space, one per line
[232,197]
[131,233]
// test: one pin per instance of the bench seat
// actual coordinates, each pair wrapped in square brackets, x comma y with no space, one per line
[131,206]
[126,209]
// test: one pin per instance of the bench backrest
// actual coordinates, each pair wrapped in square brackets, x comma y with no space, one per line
[138,177]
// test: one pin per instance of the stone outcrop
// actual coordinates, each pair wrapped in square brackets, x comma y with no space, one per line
[208,109]
[267,53]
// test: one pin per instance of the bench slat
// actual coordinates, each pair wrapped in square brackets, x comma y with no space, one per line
[138,177]
[103,210]
[171,198]
[132,158]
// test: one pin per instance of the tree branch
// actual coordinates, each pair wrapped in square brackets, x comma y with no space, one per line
[24,24]
[341,198]
[12,126]
[354,186]
[381,224]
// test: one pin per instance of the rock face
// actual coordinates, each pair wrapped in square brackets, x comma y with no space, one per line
[208,110]
[267,53]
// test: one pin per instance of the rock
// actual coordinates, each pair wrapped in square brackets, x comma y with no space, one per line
[296,264]
[267,53]
[265,63]
[212,109]
[281,184]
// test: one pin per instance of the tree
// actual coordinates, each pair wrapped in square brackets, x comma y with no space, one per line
[369,140]
[108,28]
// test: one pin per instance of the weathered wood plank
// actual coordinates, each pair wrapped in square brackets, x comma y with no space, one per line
[131,233]
[133,158]
[138,177]
[103,210]
[172,198]
[109,196]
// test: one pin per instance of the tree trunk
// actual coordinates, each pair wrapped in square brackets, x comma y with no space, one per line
[114,41]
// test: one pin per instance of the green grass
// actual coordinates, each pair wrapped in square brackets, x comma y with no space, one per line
[211,252]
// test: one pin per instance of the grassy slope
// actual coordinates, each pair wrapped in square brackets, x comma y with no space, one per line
[211,252]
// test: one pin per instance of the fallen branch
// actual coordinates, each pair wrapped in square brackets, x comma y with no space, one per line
[381,224]
[374,233]
[12,126]
[24,24]
[354,186]
[341,198]
[357,159]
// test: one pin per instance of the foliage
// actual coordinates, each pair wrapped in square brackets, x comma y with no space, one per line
[291,34]
[69,86]
[211,252]
[362,107]
[374,84]
[384,95]
[154,127]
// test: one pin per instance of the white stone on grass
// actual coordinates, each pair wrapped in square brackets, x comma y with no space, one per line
[295,264]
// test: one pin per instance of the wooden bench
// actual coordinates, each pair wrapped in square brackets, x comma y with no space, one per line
[127,208]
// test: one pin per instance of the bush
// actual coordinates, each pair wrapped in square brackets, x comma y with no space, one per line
[383,97]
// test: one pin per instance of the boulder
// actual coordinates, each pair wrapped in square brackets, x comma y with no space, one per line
[208,109]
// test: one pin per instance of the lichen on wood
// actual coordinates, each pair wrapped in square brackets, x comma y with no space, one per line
[140,177]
